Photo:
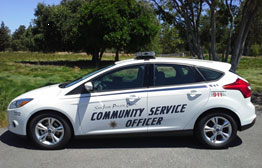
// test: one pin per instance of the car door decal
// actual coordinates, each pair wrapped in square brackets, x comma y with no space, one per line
[156,115]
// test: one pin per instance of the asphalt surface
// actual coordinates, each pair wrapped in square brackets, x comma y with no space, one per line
[246,151]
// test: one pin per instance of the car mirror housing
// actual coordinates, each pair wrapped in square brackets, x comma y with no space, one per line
[89,86]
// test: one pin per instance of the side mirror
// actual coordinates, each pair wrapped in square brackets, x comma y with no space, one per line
[89,86]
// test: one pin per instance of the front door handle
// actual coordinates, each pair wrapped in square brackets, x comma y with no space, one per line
[132,99]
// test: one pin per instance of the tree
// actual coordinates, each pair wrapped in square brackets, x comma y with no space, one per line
[213,9]
[170,40]
[69,24]
[39,27]
[94,26]
[250,8]
[254,38]
[232,11]
[4,37]
[217,26]
[54,27]
[29,41]
[18,39]
[120,24]
[144,28]
[188,13]
[49,27]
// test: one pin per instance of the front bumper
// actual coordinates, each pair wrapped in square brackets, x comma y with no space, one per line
[244,127]
[16,122]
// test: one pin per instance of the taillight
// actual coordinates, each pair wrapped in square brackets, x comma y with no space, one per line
[240,85]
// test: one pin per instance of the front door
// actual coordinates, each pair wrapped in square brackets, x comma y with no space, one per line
[118,103]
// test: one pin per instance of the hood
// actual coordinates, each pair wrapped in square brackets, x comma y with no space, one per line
[43,92]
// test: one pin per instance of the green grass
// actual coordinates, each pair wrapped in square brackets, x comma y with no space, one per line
[17,78]
[251,69]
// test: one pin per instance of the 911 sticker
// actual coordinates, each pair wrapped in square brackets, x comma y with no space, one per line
[218,94]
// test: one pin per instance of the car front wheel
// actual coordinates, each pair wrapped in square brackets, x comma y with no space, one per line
[216,130]
[49,131]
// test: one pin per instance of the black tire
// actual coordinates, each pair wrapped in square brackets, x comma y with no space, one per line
[206,137]
[58,119]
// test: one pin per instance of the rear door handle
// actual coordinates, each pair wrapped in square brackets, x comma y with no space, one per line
[194,93]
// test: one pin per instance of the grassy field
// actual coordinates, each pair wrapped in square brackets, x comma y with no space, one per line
[21,72]
[251,69]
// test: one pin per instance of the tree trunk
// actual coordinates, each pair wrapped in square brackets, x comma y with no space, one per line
[249,11]
[95,58]
[199,52]
[190,45]
[229,41]
[247,48]
[213,30]
[209,54]
[194,39]
[117,55]
[101,54]
[223,56]
[191,15]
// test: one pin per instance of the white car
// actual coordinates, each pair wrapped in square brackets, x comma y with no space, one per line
[143,95]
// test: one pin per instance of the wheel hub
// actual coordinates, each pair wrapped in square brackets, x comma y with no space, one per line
[49,131]
[217,130]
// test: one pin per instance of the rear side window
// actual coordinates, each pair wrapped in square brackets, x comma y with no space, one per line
[169,74]
[209,74]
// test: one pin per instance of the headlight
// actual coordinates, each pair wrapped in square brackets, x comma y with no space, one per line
[19,103]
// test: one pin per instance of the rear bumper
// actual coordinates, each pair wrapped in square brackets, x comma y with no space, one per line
[244,127]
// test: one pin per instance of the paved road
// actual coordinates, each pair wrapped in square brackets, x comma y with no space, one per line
[180,152]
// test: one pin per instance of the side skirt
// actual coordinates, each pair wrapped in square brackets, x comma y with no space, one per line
[148,134]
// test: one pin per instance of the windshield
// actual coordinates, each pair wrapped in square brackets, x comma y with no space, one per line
[68,84]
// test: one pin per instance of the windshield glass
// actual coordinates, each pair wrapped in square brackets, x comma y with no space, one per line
[68,84]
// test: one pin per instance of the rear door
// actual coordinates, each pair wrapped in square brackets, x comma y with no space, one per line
[177,94]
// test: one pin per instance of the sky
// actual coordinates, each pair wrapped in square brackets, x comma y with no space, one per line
[20,12]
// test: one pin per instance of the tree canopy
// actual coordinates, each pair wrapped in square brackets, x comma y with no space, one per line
[222,29]
[4,37]
[122,25]
[94,26]
[189,14]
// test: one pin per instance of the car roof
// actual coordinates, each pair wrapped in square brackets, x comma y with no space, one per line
[222,66]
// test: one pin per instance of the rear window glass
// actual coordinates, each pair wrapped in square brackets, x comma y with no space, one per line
[209,74]
[171,74]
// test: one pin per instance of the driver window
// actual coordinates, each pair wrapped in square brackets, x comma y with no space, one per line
[127,78]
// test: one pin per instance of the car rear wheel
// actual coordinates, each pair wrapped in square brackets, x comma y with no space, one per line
[49,131]
[216,130]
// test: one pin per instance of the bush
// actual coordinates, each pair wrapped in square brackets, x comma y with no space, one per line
[255,50]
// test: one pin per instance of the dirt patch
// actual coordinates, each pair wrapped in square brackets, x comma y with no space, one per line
[256,99]
[83,64]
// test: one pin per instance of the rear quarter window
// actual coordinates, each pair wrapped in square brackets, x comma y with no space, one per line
[210,74]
